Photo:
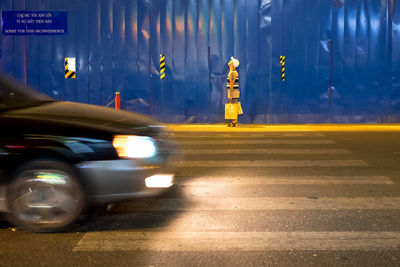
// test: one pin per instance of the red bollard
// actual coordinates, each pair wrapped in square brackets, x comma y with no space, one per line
[117,101]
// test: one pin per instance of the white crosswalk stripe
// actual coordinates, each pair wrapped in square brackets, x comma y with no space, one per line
[220,181]
[257,142]
[246,135]
[264,203]
[237,241]
[265,151]
[272,163]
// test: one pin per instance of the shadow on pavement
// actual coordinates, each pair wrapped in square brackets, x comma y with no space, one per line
[132,215]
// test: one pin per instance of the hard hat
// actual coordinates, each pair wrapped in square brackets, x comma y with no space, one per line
[235,62]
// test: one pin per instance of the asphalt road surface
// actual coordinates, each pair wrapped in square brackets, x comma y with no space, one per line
[245,198]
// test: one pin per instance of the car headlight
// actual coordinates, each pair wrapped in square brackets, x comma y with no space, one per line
[159,181]
[134,146]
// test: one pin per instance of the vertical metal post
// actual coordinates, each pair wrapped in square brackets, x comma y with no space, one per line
[330,71]
[162,67]
[117,101]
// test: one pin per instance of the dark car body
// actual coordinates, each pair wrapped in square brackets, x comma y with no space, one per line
[33,126]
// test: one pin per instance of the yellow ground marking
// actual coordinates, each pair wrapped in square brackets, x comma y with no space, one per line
[284,128]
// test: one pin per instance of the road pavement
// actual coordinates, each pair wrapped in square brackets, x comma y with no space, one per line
[251,196]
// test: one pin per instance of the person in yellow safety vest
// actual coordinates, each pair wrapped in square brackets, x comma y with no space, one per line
[232,86]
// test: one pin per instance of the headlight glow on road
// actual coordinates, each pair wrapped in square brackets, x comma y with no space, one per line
[133,146]
[159,181]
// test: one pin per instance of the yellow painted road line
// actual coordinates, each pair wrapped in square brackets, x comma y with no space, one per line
[237,241]
[283,127]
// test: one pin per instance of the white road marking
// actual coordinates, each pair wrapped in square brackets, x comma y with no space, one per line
[245,135]
[257,142]
[258,151]
[263,203]
[215,181]
[272,163]
[237,241]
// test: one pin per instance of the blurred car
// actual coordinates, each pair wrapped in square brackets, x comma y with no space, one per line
[56,158]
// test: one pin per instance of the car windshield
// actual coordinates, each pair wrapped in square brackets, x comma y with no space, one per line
[15,95]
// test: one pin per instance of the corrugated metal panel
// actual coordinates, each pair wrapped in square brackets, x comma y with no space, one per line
[117,45]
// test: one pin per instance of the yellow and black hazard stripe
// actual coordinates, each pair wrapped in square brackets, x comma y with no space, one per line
[69,74]
[162,67]
[283,67]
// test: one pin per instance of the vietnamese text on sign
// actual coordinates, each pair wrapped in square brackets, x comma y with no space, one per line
[34,22]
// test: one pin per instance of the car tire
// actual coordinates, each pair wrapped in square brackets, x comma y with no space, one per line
[45,195]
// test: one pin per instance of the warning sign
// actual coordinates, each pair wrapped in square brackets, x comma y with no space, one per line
[70,68]
[34,22]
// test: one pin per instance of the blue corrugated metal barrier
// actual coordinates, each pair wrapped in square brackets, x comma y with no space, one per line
[342,57]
